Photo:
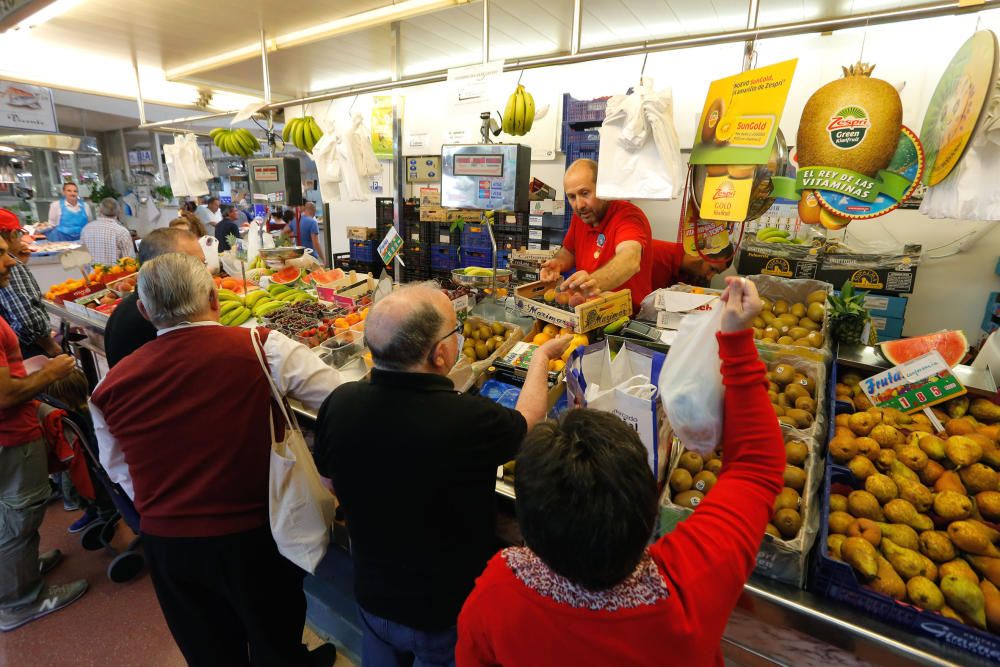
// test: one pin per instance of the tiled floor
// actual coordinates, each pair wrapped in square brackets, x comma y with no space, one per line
[113,625]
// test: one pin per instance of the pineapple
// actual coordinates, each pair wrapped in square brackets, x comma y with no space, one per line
[848,316]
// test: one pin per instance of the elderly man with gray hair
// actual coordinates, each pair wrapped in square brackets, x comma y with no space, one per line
[106,239]
[184,424]
[414,466]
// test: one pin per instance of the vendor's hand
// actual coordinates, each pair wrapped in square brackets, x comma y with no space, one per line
[742,304]
[550,271]
[581,282]
[552,349]
[59,367]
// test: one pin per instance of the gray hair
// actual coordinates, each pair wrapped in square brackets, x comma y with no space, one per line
[406,326]
[173,287]
[109,207]
[162,240]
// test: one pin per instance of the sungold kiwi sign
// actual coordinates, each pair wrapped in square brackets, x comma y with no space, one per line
[737,131]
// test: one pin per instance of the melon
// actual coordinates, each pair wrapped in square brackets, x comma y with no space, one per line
[327,277]
[951,344]
[286,276]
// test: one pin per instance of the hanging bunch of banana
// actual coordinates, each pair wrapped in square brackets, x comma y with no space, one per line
[520,113]
[304,132]
[239,142]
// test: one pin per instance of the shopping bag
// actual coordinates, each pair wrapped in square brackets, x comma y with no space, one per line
[623,385]
[210,246]
[691,382]
[301,507]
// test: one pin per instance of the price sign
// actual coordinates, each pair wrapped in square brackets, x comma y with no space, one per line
[914,385]
[390,246]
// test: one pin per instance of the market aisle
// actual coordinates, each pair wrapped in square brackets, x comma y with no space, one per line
[113,625]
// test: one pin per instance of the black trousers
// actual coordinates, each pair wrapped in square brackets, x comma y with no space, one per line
[231,600]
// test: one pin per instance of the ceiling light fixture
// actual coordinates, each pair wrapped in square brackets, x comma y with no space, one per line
[7,149]
[386,14]
[47,12]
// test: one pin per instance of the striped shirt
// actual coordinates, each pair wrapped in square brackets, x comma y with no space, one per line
[107,241]
[21,305]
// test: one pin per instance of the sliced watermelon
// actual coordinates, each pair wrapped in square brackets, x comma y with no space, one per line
[286,276]
[951,344]
[327,277]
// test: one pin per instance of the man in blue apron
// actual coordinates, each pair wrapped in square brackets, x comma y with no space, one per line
[67,216]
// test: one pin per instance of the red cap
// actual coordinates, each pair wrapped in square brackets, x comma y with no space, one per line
[9,221]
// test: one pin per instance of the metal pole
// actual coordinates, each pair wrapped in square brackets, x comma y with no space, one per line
[486,31]
[933,10]
[267,91]
[750,44]
[574,46]
[138,92]
[157,148]
[398,179]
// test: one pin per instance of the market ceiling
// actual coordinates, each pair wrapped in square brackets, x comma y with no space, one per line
[185,47]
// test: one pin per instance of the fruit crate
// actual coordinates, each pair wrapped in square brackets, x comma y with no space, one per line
[477,257]
[837,581]
[510,219]
[381,229]
[341,260]
[476,236]
[571,136]
[362,267]
[383,208]
[599,311]
[444,257]
[584,111]
[413,274]
[585,150]
[441,232]
[503,259]
[363,251]
[417,232]
[511,240]
[416,255]
[411,211]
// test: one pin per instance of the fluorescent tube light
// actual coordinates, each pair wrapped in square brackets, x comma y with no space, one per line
[46,13]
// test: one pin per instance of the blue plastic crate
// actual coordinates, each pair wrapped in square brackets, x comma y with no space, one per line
[477,257]
[588,149]
[363,251]
[571,136]
[476,236]
[584,111]
[443,257]
[503,259]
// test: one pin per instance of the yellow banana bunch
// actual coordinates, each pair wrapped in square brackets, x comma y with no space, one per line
[304,132]
[239,142]
[520,113]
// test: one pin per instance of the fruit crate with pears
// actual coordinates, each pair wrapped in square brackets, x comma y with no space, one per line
[542,301]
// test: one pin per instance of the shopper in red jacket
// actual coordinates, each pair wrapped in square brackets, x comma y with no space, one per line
[586,590]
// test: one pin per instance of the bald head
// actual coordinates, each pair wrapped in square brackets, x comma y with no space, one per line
[580,183]
[581,167]
[403,329]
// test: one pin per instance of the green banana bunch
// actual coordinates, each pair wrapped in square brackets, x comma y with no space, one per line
[265,308]
[240,142]
[773,235]
[303,132]
[229,295]
[235,316]
[519,115]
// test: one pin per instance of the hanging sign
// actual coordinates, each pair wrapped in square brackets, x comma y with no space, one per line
[24,107]
[472,85]
[382,126]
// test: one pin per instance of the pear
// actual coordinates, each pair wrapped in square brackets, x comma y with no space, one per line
[867,529]
[902,535]
[887,581]
[978,478]
[916,493]
[931,473]
[932,446]
[958,568]
[860,555]
[989,567]
[952,506]
[862,504]
[839,522]
[908,563]
[879,485]
[988,504]
[966,598]
[884,460]
[950,481]
[862,468]
[900,511]
[970,536]
[924,593]
[838,502]
[948,612]
[936,545]
[912,457]
[898,470]
[962,451]
[991,599]
[833,544]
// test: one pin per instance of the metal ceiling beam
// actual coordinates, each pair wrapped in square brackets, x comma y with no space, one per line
[928,11]
[486,31]
[577,32]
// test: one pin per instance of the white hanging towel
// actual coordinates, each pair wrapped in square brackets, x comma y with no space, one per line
[368,164]
[640,150]
[351,185]
[186,167]
[328,168]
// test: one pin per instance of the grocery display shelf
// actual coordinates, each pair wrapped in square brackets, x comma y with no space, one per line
[979,381]
[71,318]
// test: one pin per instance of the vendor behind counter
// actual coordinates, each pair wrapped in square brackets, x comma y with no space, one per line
[671,265]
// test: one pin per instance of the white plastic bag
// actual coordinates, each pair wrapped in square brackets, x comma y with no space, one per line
[691,382]
[210,246]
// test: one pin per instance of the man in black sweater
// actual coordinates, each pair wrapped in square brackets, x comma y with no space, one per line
[229,226]
[414,465]
[127,330]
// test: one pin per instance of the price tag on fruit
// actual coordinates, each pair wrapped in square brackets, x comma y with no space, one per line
[915,385]
[390,246]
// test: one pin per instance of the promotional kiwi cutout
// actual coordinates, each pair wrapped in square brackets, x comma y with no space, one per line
[957,104]
[849,134]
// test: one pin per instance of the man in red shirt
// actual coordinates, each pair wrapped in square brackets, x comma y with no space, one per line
[609,242]
[586,590]
[24,482]
[671,265]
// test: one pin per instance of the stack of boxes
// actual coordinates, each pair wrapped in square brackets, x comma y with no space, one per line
[887,313]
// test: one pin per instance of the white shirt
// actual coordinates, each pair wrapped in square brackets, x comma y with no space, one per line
[296,370]
[207,216]
[55,211]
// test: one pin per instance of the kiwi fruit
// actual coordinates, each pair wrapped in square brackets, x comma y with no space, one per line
[798,310]
[788,498]
[714,466]
[795,478]
[796,453]
[772,531]
[783,373]
[802,418]
[680,480]
[704,481]
[788,522]
[691,462]
[780,307]
[689,499]
[794,391]
[786,340]
[713,116]
[816,312]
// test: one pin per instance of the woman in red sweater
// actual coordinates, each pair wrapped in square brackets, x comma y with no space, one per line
[586,590]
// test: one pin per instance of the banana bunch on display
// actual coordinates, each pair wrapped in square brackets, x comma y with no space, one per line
[520,112]
[239,142]
[304,132]
[233,310]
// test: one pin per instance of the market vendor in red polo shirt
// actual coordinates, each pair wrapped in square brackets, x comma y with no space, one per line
[609,242]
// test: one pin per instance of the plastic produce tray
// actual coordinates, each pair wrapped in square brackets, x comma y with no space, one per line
[363,251]
[443,257]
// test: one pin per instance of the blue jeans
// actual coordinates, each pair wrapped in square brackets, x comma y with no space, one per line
[390,644]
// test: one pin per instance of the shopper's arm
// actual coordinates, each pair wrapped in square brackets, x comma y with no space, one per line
[625,264]
[15,391]
[532,402]
[110,453]
[298,372]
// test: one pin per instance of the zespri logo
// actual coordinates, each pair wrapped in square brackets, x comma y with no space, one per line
[725,191]
[848,127]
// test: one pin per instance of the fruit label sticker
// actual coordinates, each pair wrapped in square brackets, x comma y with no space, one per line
[915,385]
[739,121]
[848,127]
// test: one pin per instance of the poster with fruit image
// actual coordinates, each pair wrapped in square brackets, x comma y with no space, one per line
[739,121]
[956,105]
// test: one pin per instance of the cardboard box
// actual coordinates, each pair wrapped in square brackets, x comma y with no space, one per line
[533,257]
[349,297]
[781,260]
[888,328]
[361,233]
[886,273]
[430,197]
[599,312]
[539,190]
[880,305]
[673,306]
[81,307]
[433,214]
[541,206]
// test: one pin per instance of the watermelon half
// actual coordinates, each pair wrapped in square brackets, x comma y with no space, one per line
[326,277]
[951,344]
[287,276]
